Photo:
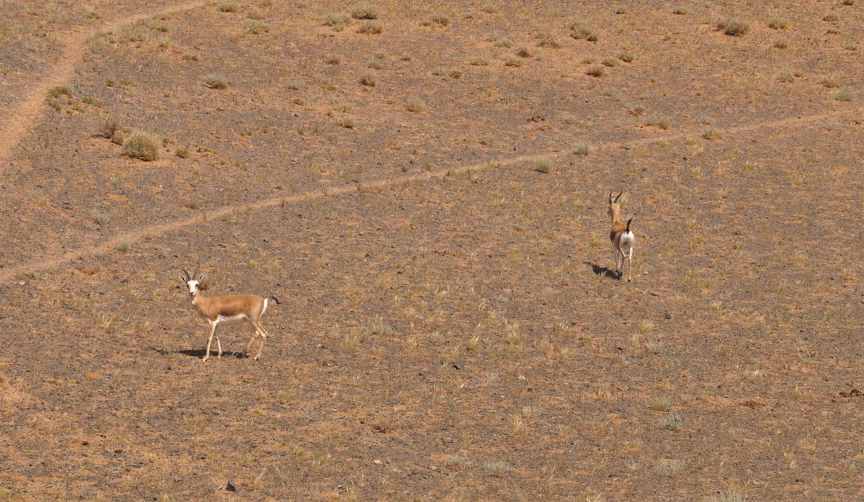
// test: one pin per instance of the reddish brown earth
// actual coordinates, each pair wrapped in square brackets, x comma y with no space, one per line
[419,201]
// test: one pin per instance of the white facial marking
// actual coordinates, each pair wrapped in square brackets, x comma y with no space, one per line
[193,286]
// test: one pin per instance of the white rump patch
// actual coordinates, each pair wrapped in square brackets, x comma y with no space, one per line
[627,240]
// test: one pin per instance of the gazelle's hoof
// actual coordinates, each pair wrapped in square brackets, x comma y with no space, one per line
[204,359]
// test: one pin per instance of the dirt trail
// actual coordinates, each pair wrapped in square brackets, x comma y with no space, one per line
[23,117]
[157,230]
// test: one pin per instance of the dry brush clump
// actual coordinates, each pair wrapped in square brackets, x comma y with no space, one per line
[337,22]
[579,32]
[364,12]
[141,145]
[733,27]
[58,96]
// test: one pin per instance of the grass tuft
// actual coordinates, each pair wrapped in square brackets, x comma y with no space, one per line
[843,95]
[673,422]
[215,81]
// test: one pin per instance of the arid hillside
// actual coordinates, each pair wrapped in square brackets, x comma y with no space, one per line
[424,186]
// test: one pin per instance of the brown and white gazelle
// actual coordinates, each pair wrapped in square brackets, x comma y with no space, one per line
[217,309]
[621,236]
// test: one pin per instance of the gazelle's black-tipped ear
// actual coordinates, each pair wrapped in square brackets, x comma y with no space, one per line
[611,194]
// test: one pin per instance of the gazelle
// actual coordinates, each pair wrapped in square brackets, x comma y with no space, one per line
[621,236]
[218,309]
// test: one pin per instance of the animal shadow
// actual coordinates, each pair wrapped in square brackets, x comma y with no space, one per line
[199,353]
[604,271]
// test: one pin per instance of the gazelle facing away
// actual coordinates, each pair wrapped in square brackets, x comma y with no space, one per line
[218,309]
[621,236]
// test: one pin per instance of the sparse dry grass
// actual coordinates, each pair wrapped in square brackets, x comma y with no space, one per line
[548,42]
[370,29]
[726,496]
[669,466]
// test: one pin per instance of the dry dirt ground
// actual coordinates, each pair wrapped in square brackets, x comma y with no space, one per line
[417,191]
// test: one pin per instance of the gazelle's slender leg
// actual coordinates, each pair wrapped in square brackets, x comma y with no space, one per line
[630,264]
[262,330]
[219,345]
[619,263]
[253,337]
[213,325]
[263,339]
